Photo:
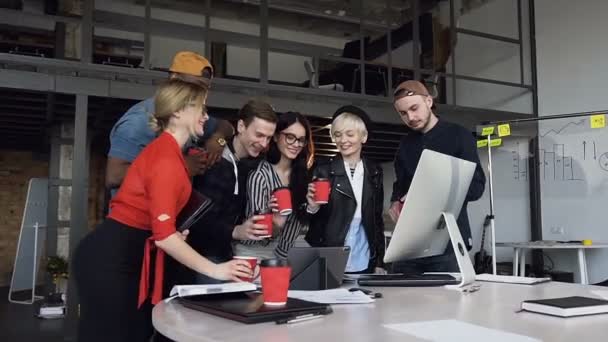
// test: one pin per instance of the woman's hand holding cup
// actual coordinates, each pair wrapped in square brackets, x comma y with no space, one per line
[255,228]
[310,198]
[232,270]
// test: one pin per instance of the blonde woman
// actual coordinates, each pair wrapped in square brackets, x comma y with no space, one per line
[115,284]
[353,215]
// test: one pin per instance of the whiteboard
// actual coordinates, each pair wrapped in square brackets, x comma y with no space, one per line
[31,239]
[573,169]
[573,161]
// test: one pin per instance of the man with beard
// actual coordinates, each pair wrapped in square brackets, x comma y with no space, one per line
[414,104]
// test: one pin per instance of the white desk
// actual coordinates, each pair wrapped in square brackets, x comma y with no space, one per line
[519,257]
[493,306]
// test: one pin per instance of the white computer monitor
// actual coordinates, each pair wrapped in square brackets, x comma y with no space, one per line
[428,219]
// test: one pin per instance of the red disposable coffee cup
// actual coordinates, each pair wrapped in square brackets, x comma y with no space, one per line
[275,281]
[322,186]
[283,196]
[253,262]
[267,220]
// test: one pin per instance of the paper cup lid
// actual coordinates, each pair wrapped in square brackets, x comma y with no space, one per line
[274,263]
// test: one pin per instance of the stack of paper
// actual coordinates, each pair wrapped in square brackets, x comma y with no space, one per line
[334,296]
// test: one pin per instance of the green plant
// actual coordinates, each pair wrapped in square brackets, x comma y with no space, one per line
[57,267]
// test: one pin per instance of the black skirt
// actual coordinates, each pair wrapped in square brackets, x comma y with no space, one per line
[107,267]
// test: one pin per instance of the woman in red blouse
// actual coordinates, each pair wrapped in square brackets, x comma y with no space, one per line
[116,262]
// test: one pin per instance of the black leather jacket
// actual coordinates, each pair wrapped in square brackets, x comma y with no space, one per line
[329,226]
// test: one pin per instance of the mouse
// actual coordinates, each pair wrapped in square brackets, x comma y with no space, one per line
[367,292]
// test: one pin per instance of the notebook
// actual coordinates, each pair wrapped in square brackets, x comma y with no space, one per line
[567,306]
[197,205]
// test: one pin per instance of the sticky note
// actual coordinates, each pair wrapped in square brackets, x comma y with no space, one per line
[487,131]
[504,130]
[482,143]
[598,121]
[495,142]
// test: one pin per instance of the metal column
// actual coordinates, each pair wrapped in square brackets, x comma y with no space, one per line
[453,50]
[536,220]
[80,173]
[416,38]
[79,202]
[147,39]
[361,47]
[264,41]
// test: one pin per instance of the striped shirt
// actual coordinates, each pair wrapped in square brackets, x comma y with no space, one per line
[260,185]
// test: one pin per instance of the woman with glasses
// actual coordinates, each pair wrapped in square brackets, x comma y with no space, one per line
[287,164]
[119,266]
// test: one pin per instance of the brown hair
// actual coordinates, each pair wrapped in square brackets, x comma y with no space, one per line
[257,109]
[173,96]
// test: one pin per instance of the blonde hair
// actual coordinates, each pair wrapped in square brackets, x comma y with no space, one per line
[173,96]
[348,120]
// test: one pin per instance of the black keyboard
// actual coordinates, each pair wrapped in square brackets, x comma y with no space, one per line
[407,280]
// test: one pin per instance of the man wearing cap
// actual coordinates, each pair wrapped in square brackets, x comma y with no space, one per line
[131,132]
[414,104]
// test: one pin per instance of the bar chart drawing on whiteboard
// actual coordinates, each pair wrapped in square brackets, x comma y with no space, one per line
[556,165]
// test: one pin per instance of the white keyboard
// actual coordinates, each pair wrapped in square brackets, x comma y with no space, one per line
[510,279]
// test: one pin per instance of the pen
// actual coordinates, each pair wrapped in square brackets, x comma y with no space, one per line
[298,319]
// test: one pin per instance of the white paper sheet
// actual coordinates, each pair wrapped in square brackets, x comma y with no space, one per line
[601,293]
[510,279]
[453,330]
[334,296]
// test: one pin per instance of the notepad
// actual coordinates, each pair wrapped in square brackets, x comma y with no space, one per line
[567,306]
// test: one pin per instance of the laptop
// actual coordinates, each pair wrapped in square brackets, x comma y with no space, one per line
[317,268]
[249,307]
[196,207]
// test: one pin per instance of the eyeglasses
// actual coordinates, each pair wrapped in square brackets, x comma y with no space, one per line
[291,139]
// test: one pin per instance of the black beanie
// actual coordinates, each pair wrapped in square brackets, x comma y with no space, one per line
[356,111]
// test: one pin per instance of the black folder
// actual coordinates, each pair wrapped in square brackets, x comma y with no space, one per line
[197,205]
[249,307]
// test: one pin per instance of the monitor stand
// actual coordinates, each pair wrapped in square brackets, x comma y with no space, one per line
[467,272]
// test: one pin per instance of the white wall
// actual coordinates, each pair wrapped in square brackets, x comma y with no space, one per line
[571,77]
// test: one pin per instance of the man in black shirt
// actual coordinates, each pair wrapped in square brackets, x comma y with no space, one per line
[414,104]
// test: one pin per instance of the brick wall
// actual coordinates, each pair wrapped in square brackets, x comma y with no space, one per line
[16,168]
